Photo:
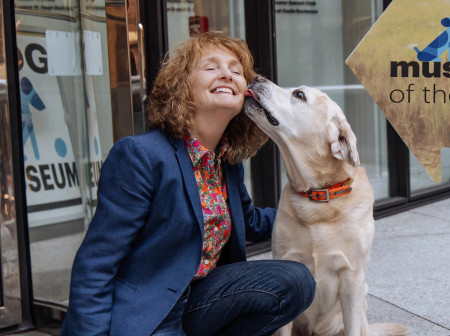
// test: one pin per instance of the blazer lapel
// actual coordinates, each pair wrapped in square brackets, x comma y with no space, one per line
[189,179]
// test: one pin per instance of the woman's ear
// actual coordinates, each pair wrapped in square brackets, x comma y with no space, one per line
[343,141]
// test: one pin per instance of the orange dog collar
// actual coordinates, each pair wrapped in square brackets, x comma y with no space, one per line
[326,194]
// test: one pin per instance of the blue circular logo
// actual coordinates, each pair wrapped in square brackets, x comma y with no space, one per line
[60,147]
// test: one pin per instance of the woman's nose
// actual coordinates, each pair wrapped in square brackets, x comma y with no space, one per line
[226,74]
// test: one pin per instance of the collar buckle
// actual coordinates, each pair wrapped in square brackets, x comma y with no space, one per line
[319,197]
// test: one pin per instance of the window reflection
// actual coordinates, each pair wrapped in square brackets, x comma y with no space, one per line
[420,180]
[66,129]
[313,40]
[137,65]
[186,18]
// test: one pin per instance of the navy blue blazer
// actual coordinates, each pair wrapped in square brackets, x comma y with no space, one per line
[144,244]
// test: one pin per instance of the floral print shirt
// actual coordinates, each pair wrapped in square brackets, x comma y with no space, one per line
[211,185]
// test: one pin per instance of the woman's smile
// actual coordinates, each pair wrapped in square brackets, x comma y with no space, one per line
[223,90]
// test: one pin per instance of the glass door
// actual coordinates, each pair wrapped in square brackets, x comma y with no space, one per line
[313,40]
[10,291]
[77,98]
[56,146]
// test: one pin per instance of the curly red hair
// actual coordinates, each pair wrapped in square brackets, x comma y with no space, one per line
[171,106]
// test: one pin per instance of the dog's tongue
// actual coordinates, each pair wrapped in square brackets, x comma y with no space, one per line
[250,93]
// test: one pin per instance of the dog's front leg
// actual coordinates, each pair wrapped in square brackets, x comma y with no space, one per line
[352,296]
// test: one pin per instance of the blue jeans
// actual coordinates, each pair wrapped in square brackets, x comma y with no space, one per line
[246,298]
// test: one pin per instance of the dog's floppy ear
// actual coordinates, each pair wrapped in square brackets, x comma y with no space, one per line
[343,141]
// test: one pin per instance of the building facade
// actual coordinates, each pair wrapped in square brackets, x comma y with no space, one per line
[74,77]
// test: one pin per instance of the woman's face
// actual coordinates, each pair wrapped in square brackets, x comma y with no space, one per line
[217,82]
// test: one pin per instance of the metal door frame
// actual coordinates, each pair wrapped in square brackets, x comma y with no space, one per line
[19,317]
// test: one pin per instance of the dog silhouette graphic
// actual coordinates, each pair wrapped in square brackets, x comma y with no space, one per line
[437,47]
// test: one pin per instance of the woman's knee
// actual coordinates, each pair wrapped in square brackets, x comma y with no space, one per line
[300,287]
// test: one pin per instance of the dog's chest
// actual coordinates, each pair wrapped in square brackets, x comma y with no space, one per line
[326,237]
[335,248]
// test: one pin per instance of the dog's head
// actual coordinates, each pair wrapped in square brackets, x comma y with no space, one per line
[302,121]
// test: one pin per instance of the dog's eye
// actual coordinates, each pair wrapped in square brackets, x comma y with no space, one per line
[300,95]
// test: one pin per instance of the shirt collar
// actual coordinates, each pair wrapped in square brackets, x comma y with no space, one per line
[196,150]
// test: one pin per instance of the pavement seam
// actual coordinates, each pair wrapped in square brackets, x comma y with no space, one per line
[419,235]
[409,312]
[418,212]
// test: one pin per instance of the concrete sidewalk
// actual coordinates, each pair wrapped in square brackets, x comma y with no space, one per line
[409,270]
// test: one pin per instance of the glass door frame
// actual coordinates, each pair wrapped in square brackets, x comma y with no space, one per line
[265,166]
[17,163]
[34,313]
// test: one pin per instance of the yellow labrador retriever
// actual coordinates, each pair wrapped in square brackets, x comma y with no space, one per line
[325,216]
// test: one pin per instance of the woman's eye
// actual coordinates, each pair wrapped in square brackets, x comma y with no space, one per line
[300,95]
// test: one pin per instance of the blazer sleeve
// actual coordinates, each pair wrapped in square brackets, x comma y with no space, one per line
[124,198]
[258,221]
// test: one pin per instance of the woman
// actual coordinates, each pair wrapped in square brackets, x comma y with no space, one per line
[165,251]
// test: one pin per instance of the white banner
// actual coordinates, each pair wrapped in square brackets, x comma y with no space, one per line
[54,139]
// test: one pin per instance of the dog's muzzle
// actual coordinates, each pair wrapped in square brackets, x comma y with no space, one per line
[256,105]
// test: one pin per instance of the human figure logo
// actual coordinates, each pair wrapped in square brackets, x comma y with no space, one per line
[28,96]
